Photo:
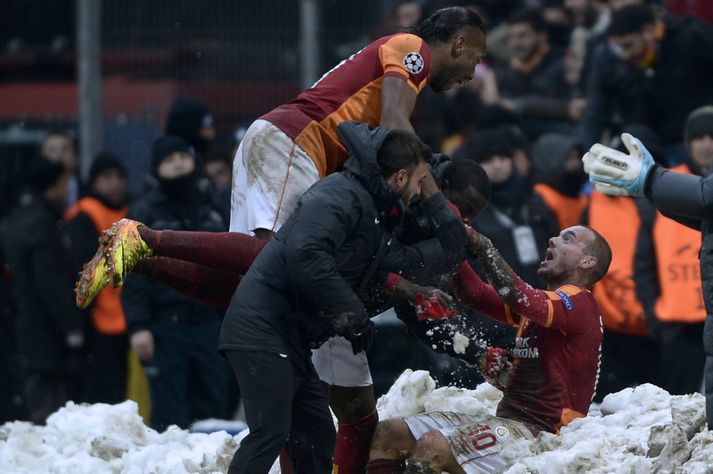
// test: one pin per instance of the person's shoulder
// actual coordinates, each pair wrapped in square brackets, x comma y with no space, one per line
[574,297]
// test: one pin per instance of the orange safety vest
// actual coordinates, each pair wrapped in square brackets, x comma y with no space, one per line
[677,247]
[107,312]
[568,210]
[617,219]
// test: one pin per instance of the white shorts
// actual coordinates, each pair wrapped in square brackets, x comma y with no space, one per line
[476,442]
[270,174]
[336,364]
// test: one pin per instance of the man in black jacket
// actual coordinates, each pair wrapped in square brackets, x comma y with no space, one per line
[48,325]
[305,287]
[656,72]
[173,336]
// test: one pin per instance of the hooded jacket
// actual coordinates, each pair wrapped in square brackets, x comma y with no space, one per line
[688,199]
[319,263]
[560,190]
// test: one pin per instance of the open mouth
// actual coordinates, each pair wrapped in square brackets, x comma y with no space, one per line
[549,255]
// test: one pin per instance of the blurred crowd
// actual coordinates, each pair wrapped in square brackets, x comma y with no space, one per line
[560,75]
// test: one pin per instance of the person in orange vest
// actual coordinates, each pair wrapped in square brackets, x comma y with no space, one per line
[559,177]
[105,367]
[627,348]
[668,278]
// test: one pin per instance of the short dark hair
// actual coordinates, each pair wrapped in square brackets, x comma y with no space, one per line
[460,174]
[530,17]
[630,19]
[444,23]
[401,150]
[599,248]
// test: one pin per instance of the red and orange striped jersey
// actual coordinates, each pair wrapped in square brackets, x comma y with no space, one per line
[350,91]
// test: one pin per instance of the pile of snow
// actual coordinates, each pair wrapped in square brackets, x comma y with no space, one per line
[638,430]
[104,438]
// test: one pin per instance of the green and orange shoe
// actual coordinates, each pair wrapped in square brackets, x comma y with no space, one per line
[94,275]
[120,249]
[126,250]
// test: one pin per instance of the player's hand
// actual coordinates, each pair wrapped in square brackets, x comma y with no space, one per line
[476,242]
[496,367]
[411,292]
[428,186]
[143,345]
[616,173]
[362,337]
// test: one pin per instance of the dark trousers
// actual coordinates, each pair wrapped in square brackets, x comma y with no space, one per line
[682,357]
[627,361]
[284,407]
[187,377]
[45,392]
[105,370]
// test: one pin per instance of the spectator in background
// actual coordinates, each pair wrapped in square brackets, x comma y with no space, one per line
[702,9]
[559,177]
[105,368]
[533,83]
[655,72]
[629,355]
[517,221]
[173,336]
[48,325]
[59,147]
[668,279]
[591,18]
[191,120]
[218,168]
[520,147]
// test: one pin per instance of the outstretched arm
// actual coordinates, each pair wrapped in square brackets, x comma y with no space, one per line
[546,308]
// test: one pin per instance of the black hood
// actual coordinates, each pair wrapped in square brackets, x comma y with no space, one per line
[549,155]
[363,144]
[185,119]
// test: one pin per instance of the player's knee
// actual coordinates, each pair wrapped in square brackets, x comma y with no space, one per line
[392,439]
[432,450]
[351,404]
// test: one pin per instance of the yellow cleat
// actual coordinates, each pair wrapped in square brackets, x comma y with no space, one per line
[126,249]
[120,249]
[94,275]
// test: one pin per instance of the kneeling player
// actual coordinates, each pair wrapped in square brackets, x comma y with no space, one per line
[556,356]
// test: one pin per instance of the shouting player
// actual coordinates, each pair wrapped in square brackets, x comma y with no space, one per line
[556,361]
[293,146]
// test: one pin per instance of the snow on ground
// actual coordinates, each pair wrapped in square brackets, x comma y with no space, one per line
[635,431]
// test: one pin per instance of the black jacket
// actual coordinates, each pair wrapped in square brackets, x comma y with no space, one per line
[38,255]
[661,97]
[513,206]
[146,301]
[319,263]
[689,200]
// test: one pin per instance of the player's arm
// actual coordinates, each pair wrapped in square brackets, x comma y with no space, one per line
[546,308]
[398,100]
[405,61]
[475,293]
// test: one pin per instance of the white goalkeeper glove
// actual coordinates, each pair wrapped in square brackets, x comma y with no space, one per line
[616,173]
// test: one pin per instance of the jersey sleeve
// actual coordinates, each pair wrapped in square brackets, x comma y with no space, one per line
[475,293]
[407,57]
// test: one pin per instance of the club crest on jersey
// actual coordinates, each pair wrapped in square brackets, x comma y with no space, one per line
[413,62]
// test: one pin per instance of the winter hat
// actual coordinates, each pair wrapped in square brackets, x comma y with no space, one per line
[483,145]
[42,173]
[166,146]
[186,118]
[550,153]
[699,123]
[105,161]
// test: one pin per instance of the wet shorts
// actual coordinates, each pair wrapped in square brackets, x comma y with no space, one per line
[475,441]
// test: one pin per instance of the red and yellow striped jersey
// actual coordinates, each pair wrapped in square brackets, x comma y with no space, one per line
[350,91]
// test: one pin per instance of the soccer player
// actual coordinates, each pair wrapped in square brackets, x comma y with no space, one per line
[556,361]
[292,147]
